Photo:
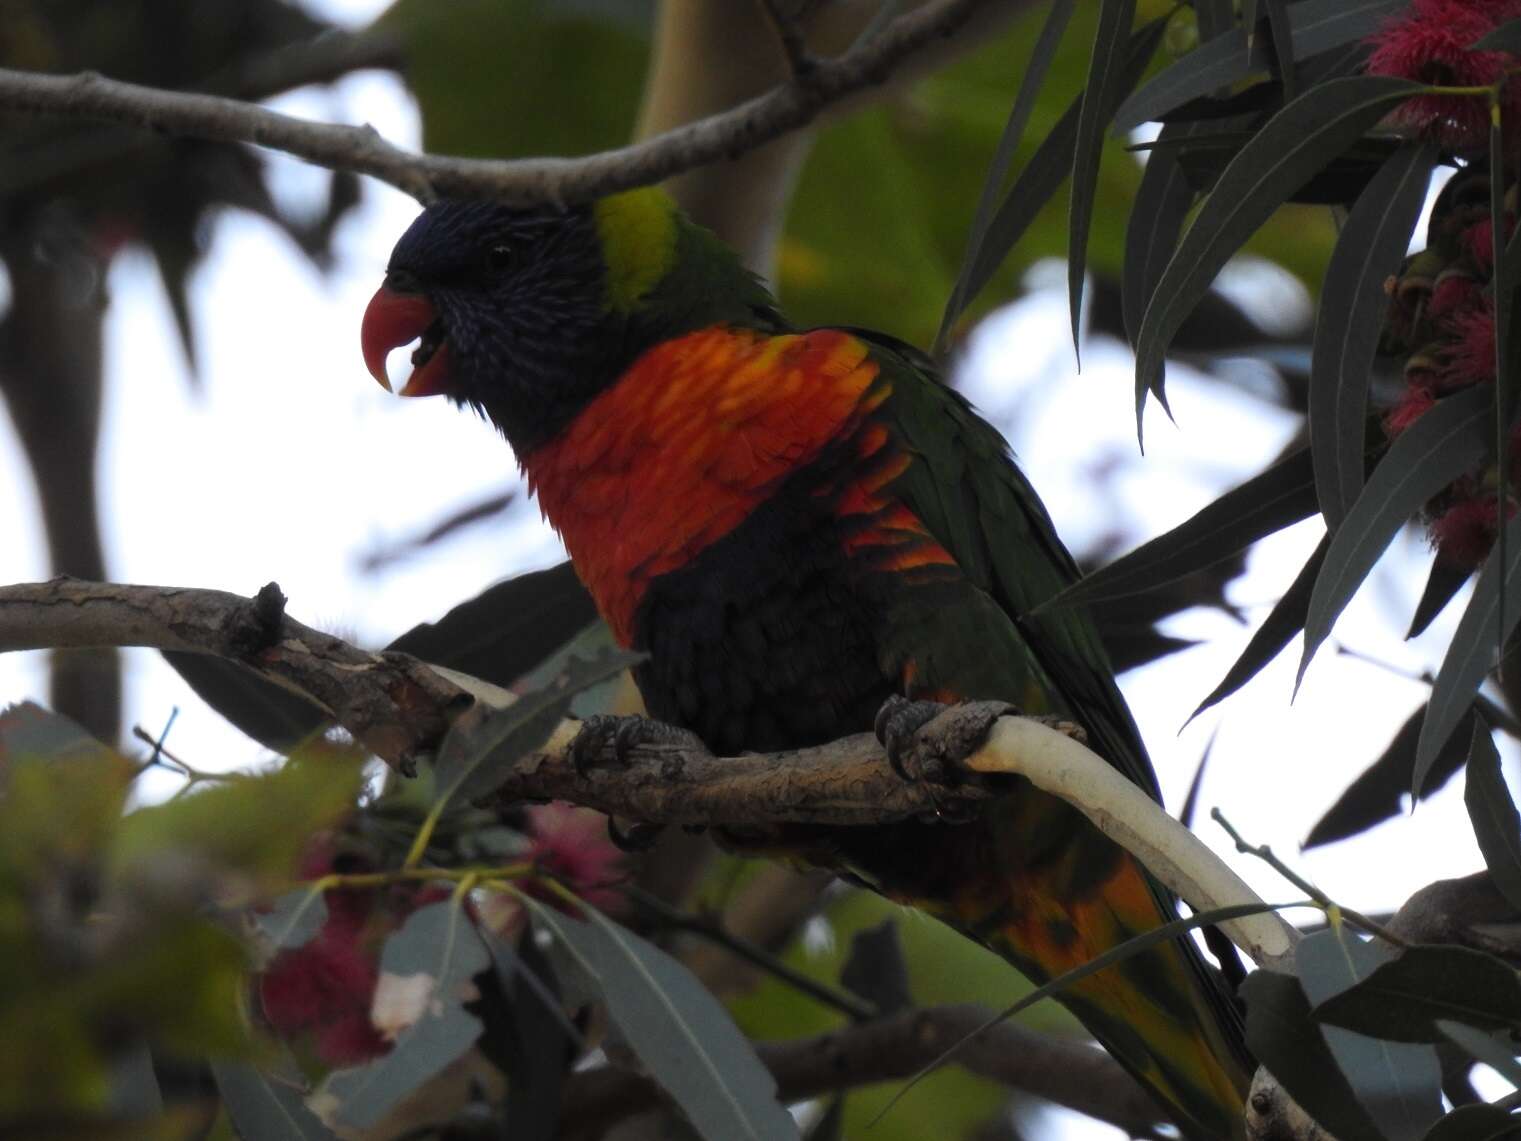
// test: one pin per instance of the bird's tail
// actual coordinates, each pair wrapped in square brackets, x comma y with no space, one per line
[1048,891]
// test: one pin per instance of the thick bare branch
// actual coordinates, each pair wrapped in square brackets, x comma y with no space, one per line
[1067,1071]
[400,707]
[361,149]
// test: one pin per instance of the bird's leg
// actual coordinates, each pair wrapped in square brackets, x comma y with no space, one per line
[624,733]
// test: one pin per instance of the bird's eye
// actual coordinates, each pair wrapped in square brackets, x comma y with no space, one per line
[501,256]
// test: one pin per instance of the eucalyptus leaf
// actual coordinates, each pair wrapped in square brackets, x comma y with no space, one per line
[1375,795]
[1495,823]
[1443,582]
[1347,325]
[437,945]
[1291,147]
[1277,498]
[1284,621]
[293,920]
[680,1032]
[262,1106]
[1008,145]
[1486,1048]
[1284,1039]
[475,754]
[1316,25]
[1473,649]
[1446,441]
[1102,92]
[1403,999]
[1398,1083]
[1476,1123]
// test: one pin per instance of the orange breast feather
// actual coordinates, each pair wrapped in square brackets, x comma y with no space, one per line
[686,444]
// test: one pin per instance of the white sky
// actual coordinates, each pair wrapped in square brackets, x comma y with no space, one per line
[290,464]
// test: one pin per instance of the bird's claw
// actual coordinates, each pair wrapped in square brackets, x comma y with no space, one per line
[935,761]
[624,734]
[897,722]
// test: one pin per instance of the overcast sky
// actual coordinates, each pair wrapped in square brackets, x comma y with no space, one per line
[291,465]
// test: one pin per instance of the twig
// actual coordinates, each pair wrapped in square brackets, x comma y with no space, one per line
[1332,908]
[1066,1071]
[789,34]
[557,180]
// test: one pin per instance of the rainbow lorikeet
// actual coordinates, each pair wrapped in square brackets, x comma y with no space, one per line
[796,526]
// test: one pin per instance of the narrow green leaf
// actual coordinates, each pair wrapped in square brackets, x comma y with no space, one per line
[1320,25]
[1440,446]
[262,1106]
[1316,26]
[1101,93]
[1495,822]
[1215,17]
[1282,1036]
[1403,999]
[293,920]
[1376,794]
[1290,148]
[1046,170]
[1284,621]
[1398,1083]
[1162,203]
[680,1032]
[1442,584]
[1476,1123]
[1277,498]
[1008,145]
[474,755]
[1487,1048]
[1283,45]
[1472,651]
[439,943]
[1505,38]
[1352,306]
[1218,63]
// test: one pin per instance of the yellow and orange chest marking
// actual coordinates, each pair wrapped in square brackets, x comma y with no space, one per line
[697,433]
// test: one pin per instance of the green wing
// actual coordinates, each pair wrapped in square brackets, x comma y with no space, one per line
[965,488]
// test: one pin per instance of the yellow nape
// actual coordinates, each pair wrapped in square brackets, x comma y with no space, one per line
[638,231]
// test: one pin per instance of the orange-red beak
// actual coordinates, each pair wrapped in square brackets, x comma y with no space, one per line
[394,319]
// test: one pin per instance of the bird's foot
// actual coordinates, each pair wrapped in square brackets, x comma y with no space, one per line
[611,737]
[934,761]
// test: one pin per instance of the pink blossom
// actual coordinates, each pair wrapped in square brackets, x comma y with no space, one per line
[1429,43]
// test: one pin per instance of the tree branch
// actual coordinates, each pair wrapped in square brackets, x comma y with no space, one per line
[392,703]
[400,708]
[362,150]
[1066,1071]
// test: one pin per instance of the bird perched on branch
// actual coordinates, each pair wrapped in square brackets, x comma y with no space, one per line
[802,528]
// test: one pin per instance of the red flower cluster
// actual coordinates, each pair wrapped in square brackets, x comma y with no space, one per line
[1431,43]
[1442,319]
[319,996]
